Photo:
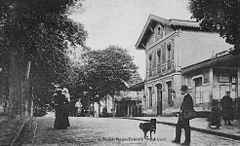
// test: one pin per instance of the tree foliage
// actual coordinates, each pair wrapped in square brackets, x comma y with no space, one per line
[219,15]
[107,71]
[41,32]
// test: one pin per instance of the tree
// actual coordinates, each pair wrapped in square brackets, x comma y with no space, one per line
[37,31]
[135,78]
[108,69]
[107,72]
[221,16]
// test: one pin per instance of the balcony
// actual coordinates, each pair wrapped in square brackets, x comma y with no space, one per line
[161,68]
[170,64]
[150,73]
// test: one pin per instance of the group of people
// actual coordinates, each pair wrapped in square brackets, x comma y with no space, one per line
[62,99]
[225,111]
[63,107]
[61,103]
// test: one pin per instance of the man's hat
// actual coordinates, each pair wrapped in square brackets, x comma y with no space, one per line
[59,91]
[184,88]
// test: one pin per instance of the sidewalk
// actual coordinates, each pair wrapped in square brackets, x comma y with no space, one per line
[199,124]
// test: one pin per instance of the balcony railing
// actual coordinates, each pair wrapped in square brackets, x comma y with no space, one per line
[170,64]
[150,72]
[161,68]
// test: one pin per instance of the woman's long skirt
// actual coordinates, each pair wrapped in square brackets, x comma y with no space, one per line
[61,120]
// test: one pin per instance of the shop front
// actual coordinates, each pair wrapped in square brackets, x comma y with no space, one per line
[211,78]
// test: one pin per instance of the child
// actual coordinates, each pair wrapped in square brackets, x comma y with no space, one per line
[78,105]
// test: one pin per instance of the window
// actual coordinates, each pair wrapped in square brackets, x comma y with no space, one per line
[224,78]
[150,96]
[160,31]
[170,53]
[198,90]
[154,59]
[159,56]
[163,54]
[150,64]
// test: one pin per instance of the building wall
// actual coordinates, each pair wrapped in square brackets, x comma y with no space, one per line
[109,104]
[154,38]
[189,47]
[153,67]
[177,80]
[157,72]
[206,93]
[196,46]
[221,86]
[217,91]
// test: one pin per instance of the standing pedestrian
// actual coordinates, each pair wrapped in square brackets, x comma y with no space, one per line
[227,108]
[186,105]
[215,115]
[78,106]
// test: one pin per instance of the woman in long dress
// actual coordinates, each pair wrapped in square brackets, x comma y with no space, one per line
[61,120]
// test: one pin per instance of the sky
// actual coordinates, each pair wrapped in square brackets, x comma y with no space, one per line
[120,22]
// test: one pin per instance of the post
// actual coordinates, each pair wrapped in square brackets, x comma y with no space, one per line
[27,90]
[28,69]
[113,106]
[238,98]
[210,86]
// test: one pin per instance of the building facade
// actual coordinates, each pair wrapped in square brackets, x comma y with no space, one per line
[172,46]
[211,78]
[130,103]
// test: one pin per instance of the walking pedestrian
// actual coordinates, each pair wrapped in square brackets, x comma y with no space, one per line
[227,108]
[186,105]
[60,104]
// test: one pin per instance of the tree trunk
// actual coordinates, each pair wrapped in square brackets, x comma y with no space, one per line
[27,94]
[14,84]
[99,110]
[113,105]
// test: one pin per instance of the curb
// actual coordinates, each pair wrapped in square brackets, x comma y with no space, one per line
[20,131]
[231,136]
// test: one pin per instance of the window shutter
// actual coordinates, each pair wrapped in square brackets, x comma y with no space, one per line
[154,58]
[164,53]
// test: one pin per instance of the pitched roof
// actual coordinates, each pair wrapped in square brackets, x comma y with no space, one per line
[183,23]
[221,59]
[137,87]
[153,19]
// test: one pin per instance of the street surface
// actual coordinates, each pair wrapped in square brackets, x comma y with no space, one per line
[109,131]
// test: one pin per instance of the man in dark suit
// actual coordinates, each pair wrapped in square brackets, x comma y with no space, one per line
[187,104]
[227,108]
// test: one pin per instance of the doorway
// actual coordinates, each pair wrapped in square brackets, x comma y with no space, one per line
[169,91]
[159,99]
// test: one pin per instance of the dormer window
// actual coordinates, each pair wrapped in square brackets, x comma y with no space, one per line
[159,56]
[159,32]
